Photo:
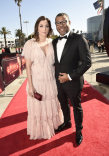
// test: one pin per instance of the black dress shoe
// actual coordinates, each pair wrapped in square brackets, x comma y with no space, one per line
[64,126]
[79,137]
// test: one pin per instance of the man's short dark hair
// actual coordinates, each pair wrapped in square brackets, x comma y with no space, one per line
[62,14]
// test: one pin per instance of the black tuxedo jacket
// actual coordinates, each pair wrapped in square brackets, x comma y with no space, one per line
[75,61]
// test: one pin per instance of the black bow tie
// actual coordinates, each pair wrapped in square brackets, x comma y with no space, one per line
[60,38]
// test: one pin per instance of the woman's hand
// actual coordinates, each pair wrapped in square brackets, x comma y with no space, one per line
[31,91]
[34,90]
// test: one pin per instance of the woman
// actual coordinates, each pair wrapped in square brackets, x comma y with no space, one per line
[43,116]
[3,50]
[16,49]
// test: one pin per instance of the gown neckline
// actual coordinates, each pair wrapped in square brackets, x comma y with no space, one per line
[43,51]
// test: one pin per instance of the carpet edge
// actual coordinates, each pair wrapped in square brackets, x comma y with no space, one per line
[13,98]
[98,92]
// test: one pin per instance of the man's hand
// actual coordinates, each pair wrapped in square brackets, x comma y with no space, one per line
[63,78]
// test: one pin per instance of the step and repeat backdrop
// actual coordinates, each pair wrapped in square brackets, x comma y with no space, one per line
[1,81]
[10,69]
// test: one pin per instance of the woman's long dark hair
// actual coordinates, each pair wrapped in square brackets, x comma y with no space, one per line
[42,18]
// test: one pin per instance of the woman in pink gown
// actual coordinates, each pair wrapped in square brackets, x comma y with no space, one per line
[44,116]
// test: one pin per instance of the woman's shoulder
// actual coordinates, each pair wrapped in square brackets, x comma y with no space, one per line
[31,40]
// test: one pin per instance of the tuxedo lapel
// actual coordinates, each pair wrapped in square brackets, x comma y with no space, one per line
[67,44]
[55,47]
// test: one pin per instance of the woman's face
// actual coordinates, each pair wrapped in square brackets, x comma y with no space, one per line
[43,28]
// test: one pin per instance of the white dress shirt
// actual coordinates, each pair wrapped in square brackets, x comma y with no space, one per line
[60,47]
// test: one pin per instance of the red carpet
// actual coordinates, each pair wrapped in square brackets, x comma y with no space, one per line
[15,142]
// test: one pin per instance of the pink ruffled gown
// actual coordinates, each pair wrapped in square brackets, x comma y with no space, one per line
[43,116]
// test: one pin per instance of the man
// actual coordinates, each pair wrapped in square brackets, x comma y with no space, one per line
[7,50]
[72,60]
[88,43]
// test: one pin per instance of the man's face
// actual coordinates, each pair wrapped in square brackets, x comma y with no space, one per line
[62,25]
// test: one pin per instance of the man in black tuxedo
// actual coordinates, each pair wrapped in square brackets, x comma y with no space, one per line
[72,60]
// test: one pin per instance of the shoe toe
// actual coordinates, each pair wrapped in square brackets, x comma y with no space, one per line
[79,139]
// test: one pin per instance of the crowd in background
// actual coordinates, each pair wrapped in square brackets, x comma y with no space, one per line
[7,50]
[19,50]
[97,44]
